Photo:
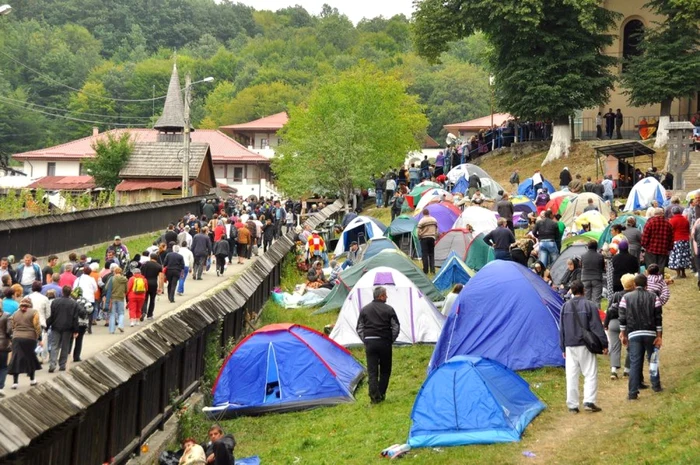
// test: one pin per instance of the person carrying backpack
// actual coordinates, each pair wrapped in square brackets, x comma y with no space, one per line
[136,289]
[84,312]
[396,205]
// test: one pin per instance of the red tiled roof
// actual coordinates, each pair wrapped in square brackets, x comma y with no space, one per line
[144,184]
[272,122]
[479,123]
[430,143]
[68,183]
[223,148]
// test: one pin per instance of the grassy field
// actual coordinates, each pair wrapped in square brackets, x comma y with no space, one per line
[135,246]
[659,428]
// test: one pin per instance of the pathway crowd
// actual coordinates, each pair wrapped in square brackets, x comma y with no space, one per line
[49,308]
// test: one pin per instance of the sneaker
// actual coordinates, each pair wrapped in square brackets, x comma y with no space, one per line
[121,330]
[657,389]
[633,397]
[626,374]
[574,410]
[613,375]
[14,386]
[150,318]
[142,317]
[179,293]
[52,369]
[62,369]
[217,272]
[131,324]
[2,394]
[32,382]
[643,386]
[590,407]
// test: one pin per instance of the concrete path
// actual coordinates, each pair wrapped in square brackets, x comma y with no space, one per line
[100,339]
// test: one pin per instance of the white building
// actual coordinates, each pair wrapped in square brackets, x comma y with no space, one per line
[260,136]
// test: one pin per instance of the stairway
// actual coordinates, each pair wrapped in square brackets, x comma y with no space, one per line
[691,180]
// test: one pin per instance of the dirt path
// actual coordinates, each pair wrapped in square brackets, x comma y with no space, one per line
[591,438]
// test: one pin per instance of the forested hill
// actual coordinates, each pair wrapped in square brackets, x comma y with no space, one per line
[69,65]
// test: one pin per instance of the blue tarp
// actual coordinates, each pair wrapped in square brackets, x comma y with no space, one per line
[471,400]
[285,364]
[461,186]
[452,272]
[506,313]
[526,188]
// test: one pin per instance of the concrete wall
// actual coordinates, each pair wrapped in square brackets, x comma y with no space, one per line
[39,168]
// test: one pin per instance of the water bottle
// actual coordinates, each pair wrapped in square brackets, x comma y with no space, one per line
[654,363]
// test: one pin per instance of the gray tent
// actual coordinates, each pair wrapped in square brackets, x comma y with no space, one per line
[558,268]
[391,258]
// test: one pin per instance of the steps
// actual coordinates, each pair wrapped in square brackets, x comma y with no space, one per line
[691,180]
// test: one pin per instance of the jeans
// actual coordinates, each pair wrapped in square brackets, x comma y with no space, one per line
[609,198]
[379,200]
[379,358]
[548,252]
[640,347]
[593,290]
[59,343]
[181,283]
[200,261]
[427,246]
[116,315]
[501,254]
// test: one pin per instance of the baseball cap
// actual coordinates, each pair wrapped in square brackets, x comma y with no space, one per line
[117,238]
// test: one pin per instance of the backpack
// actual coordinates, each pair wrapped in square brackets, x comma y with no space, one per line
[513,177]
[233,233]
[139,285]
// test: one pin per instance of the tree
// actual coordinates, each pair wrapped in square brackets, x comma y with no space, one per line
[669,63]
[111,155]
[356,126]
[548,55]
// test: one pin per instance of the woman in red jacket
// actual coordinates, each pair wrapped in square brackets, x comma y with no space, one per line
[680,258]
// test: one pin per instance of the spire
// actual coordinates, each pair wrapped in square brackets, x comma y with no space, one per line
[172,119]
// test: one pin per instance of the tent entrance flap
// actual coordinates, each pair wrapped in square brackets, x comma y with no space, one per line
[273,390]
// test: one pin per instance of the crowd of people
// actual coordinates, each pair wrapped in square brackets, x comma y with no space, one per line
[47,311]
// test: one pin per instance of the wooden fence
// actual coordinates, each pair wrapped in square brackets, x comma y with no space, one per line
[104,409]
[48,234]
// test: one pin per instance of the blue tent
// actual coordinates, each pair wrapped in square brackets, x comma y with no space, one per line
[526,188]
[506,313]
[471,400]
[453,271]
[403,231]
[284,367]
[461,186]
[376,245]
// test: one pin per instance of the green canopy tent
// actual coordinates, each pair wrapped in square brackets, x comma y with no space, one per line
[582,238]
[390,258]
[479,253]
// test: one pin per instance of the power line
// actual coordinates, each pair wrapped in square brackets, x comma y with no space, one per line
[78,90]
[71,118]
[2,97]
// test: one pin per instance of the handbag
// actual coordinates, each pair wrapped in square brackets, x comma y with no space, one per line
[590,339]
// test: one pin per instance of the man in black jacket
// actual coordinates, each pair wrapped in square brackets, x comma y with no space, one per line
[201,249]
[576,315]
[63,324]
[564,178]
[378,327]
[474,184]
[506,210]
[640,331]
[174,264]
[219,449]
[500,239]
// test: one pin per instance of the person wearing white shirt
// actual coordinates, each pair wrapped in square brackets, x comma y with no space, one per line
[188,256]
[42,305]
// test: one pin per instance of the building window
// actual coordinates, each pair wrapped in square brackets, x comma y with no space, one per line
[264,143]
[237,174]
[51,168]
[82,170]
[632,40]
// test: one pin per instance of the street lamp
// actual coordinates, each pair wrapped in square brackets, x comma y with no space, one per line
[186,135]
[5,10]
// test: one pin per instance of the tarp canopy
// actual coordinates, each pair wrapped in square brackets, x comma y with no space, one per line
[454,240]
[527,189]
[523,204]
[479,253]
[454,271]
[558,268]
[404,227]
[471,400]
[480,219]
[489,187]
[443,213]
[284,367]
[579,203]
[360,229]
[420,321]
[643,193]
[506,313]
[376,245]
[606,235]
[389,258]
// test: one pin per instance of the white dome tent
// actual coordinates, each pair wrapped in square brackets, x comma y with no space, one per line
[420,321]
[480,219]
[360,229]
[643,193]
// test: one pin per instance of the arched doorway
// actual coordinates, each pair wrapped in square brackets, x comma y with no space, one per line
[632,40]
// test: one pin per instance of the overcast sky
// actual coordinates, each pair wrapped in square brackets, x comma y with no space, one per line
[353,9]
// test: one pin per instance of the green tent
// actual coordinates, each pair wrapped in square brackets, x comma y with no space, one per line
[414,196]
[584,238]
[606,235]
[393,259]
[403,231]
[479,253]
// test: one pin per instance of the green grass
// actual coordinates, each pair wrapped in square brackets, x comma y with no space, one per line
[135,246]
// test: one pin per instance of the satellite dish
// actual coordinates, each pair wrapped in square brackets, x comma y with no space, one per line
[451,138]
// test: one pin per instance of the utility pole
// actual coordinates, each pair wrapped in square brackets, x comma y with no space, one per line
[186,140]
[492,81]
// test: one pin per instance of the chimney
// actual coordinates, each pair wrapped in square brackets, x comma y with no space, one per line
[95,131]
